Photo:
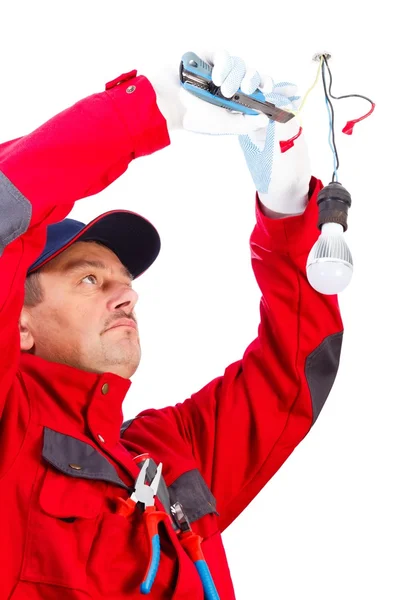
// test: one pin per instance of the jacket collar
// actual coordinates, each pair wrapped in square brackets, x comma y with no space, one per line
[69,397]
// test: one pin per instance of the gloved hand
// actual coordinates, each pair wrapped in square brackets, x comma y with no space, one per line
[167,87]
[281,179]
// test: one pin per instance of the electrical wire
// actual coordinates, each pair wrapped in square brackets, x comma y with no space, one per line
[348,129]
[296,113]
[287,144]
[330,109]
[346,96]
[333,150]
[349,126]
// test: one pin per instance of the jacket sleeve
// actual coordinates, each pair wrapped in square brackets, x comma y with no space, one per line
[242,426]
[77,153]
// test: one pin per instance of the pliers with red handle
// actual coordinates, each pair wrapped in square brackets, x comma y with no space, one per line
[145,494]
[191,543]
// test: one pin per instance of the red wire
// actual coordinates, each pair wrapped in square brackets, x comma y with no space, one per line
[348,129]
[286,145]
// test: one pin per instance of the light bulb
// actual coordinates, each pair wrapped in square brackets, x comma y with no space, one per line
[329,264]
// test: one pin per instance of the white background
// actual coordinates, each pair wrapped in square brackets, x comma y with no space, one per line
[324,527]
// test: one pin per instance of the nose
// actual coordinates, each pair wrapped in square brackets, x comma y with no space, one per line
[123,298]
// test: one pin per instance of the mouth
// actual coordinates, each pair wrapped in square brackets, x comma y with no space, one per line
[129,323]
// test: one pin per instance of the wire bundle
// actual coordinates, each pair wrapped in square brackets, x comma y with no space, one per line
[348,129]
[349,126]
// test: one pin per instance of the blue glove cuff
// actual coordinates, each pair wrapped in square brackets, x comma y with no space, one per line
[260,160]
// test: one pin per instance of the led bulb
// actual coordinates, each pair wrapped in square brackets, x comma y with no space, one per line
[329,264]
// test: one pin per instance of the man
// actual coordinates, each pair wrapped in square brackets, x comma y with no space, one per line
[69,344]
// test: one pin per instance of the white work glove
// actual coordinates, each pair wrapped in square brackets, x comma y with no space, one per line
[281,179]
[167,87]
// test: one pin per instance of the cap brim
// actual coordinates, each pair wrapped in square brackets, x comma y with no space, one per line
[131,237]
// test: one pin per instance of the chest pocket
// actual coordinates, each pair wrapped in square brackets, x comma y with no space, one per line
[68,497]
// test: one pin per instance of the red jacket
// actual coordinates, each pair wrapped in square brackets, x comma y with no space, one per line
[59,534]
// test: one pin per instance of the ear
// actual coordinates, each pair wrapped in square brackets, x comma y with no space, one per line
[26,336]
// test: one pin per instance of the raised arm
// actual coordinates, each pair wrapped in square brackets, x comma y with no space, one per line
[77,153]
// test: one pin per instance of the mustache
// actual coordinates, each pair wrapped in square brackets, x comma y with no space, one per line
[116,316]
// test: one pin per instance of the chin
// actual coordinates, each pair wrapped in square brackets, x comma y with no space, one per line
[122,369]
[123,363]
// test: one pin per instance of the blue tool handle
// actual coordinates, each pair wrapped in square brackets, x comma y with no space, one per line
[145,587]
[195,65]
[207,581]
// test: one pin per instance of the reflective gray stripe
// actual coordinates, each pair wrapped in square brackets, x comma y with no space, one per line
[62,450]
[321,369]
[15,212]
[192,492]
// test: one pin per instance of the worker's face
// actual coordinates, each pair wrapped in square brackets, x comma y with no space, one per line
[86,319]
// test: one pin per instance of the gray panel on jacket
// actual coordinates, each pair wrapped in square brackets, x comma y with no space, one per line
[192,492]
[62,450]
[321,369]
[15,212]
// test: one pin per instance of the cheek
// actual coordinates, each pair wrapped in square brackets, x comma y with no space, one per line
[63,312]
[85,318]
[81,315]
[53,319]
[57,313]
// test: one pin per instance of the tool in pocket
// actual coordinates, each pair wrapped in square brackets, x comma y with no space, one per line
[145,495]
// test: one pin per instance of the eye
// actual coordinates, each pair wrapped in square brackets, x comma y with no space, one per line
[89,279]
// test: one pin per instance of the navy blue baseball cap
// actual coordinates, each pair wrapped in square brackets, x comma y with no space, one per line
[131,237]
